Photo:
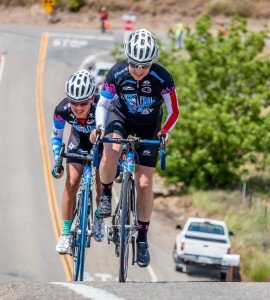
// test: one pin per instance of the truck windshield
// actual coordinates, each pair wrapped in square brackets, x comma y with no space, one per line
[206,228]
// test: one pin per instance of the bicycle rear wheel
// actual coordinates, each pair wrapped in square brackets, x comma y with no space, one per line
[124,221]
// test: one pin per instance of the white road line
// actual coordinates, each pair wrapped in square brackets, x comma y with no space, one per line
[87,277]
[150,270]
[89,292]
[103,277]
[152,274]
[91,58]
[81,36]
[2,63]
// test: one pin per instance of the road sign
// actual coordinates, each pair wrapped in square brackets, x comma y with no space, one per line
[48,5]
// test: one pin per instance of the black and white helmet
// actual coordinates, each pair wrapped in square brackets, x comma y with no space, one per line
[141,47]
[80,86]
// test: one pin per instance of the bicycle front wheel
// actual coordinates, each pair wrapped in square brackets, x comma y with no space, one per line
[124,221]
[76,240]
[81,238]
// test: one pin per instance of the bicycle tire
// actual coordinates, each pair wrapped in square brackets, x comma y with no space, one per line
[83,235]
[124,232]
[76,242]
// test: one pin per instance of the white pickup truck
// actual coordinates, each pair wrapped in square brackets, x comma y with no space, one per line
[202,241]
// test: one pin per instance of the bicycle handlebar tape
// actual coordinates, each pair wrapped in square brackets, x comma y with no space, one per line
[162,159]
[96,147]
[163,153]
[60,157]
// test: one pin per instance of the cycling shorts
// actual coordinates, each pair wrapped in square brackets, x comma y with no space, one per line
[147,155]
[77,143]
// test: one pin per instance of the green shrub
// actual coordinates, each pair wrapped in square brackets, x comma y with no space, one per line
[222,88]
[75,5]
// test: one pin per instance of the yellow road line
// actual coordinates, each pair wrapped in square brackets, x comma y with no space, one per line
[52,199]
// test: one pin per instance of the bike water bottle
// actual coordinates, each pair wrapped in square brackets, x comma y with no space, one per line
[130,161]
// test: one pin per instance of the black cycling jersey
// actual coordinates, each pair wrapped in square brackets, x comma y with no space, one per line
[80,131]
[140,101]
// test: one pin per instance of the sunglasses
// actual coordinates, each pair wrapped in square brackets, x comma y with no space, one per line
[84,103]
[143,67]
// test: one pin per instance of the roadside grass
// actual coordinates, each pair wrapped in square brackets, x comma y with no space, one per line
[251,224]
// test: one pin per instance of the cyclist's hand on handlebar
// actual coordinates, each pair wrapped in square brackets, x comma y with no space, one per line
[93,135]
[167,136]
[57,172]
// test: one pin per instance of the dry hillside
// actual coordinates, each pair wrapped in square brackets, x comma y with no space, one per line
[153,14]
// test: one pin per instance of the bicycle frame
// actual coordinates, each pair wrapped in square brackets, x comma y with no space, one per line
[81,226]
[81,234]
[129,166]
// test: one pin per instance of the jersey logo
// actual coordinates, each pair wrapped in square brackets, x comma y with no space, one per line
[118,124]
[55,131]
[147,111]
[71,146]
[146,153]
[129,81]
[128,88]
[146,89]
[137,104]
[91,121]
[84,129]
[146,82]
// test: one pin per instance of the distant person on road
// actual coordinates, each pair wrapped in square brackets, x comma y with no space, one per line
[131,102]
[78,109]
[179,35]
[103,18]
[223,30]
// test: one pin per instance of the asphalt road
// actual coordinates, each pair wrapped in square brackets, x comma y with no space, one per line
[34,64]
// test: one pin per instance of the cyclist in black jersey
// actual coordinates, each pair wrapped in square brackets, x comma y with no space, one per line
[77,109]
[131,103]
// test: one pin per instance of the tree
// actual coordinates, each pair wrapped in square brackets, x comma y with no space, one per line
[223,90]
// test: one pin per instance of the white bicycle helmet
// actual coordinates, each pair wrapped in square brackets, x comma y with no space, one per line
[80,86]
[141,47]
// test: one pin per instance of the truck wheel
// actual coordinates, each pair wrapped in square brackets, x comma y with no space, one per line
[223,275]
[178,269]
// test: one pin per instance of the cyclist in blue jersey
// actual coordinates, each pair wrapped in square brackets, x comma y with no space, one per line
[131,103]
[77,109]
